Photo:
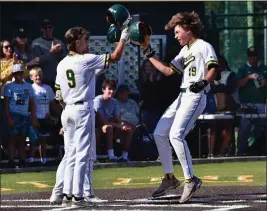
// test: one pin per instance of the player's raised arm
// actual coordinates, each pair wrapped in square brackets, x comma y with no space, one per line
[140,35]
[162,67]
[116,55]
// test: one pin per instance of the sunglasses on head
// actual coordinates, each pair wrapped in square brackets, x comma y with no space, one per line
[7,46]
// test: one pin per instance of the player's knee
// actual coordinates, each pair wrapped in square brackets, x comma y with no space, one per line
[174,136]
[157,136]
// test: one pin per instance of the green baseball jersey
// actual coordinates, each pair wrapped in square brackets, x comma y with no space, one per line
[250,93]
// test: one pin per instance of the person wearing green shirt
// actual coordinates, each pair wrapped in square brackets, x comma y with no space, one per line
[252,93]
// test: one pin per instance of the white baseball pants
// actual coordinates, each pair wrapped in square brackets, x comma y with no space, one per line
[88,179]
[79,131]
[174,125]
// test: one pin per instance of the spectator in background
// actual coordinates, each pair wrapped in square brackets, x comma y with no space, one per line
[43,97]
[22,49]
[49,50]
[18,101]
[252,93]
[109,123]
[226,97]
[128,108]
[7,59]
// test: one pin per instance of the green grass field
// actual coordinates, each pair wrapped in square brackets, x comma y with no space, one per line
[219,174]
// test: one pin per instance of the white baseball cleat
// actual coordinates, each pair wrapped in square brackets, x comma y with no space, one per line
[67,201]
[189,189]
[93,199]
[56,199]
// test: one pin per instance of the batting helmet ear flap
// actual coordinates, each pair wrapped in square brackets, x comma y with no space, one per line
[114,34]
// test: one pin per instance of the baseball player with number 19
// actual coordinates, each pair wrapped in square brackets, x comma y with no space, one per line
[76,80]
[198,65]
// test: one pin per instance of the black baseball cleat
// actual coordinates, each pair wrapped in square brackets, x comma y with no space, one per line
[166,185]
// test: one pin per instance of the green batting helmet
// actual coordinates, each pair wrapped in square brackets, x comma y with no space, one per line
[114,34]
[118,15]
[140,33]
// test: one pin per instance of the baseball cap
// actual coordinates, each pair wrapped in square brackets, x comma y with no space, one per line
[21,32]
[17,68]
[252,51]
[46,21]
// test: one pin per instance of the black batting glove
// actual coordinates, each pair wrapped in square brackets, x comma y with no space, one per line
[197,87]
[149,52]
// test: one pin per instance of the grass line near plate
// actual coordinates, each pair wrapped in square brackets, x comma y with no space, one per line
[219,174]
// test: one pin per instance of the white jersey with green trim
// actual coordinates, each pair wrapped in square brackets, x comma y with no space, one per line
[193,62]
[76,76]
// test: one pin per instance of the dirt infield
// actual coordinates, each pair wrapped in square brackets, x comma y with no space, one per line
[248,198]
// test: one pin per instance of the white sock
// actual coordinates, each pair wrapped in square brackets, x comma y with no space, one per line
[43,160]
[110,152]
[124,155]
[31,160]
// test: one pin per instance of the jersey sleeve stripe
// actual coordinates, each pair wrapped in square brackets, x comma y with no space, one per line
[175,69]
[106,66]
[57,86]
[213,63]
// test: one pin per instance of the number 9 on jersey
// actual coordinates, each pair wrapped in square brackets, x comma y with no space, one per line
[71,78]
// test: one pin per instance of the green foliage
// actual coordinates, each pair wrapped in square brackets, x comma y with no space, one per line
[215,6]
[232,43]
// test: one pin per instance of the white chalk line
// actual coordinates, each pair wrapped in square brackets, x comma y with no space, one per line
[260,201]
[147,202]
[29,206]
[227,209]
[232,201]
[133,205]
[25,200]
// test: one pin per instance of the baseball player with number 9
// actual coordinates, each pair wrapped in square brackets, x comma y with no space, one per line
[197,64]
[76,80]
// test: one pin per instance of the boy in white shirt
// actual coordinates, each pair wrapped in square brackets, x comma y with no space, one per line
[43,96]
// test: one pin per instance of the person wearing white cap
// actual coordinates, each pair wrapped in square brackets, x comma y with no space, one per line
[18,101]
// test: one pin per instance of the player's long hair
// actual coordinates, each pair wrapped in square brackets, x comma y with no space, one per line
[74,34]
[188,21]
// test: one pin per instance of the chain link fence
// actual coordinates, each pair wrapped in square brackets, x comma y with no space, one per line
[232,34]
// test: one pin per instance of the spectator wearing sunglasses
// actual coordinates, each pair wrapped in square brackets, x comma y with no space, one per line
[49,50]
[7,58]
